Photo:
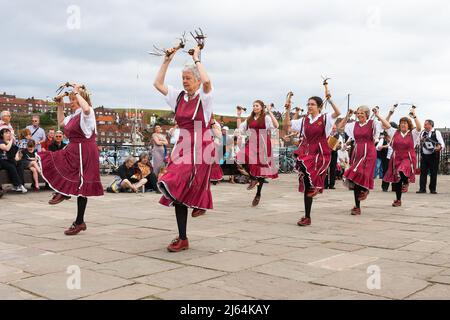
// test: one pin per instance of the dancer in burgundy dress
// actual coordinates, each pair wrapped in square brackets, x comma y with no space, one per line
[216,170]
[365,132]
[313,154]
[186,183]
[256,159]
[402,165]
[75,170]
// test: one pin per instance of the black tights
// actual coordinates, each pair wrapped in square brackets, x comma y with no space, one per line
[81,208]
[259,188]
[307,200]
[398,185]
[356,191]
[181,213]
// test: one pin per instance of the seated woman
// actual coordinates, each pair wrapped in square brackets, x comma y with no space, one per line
[28,158]
[9,160]
[24,137]
[143,169]
[127,181]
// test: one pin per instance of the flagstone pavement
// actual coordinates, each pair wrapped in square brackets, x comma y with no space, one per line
[236,251]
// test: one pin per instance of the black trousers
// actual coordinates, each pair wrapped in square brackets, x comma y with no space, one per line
[429,163]
[151,182]
[330,178]
[15,171]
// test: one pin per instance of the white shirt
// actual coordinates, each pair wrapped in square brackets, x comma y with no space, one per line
[268,120]
[415,135]
[3,125]
[87,122]
[350,127]
[390,150]
[205,98]
[438,138]
[175,135]
[297,125]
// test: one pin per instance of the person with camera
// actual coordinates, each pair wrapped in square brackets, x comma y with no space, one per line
[403,162]
[431,144]
[256,159]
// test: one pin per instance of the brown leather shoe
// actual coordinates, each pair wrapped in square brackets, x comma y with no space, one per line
[178,245]
[75,229]
[355,211]
[58,198]
[256,201]
[397,203]
[253,184]
[198,212]
[303,222]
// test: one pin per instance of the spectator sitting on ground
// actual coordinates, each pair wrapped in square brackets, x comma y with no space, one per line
[58,142]
[143,169]
[125,181]
[28,158]
[9,160]
[24,137]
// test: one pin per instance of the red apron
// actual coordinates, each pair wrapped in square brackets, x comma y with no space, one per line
[403,159]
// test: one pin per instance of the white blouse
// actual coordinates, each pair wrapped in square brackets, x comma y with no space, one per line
[350,127]
[268,120]
[415,135]
[87,122]
[297,125]
[205,98]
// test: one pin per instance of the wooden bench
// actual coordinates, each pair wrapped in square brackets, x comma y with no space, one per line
[28,176]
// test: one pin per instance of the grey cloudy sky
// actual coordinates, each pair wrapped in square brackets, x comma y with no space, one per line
[381,52]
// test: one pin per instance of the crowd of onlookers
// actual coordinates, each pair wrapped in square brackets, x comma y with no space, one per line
[18,150]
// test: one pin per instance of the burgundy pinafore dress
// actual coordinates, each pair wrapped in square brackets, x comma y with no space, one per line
[216,170]
[74,170]
[364,157]
[187,180]
[403,159]
[313,154]
[257,153]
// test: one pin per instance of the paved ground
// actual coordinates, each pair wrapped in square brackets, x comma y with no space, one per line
[237,252]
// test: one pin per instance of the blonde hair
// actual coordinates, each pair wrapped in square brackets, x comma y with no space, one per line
[86,96]
[364,109]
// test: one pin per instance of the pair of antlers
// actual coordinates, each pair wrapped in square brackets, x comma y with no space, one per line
[62,87]
[199,37]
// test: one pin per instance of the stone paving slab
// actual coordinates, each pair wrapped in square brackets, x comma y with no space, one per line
[180,277]
[54,285]
[134,267]
[236,251]
[231,261]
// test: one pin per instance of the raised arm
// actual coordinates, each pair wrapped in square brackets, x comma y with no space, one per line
[204,78]
[160,77]
[416,120]
[85,106]
[287,118]
[384,122]
[272,117]
[60,109]
[391,112]
[340,127]
[336,112]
